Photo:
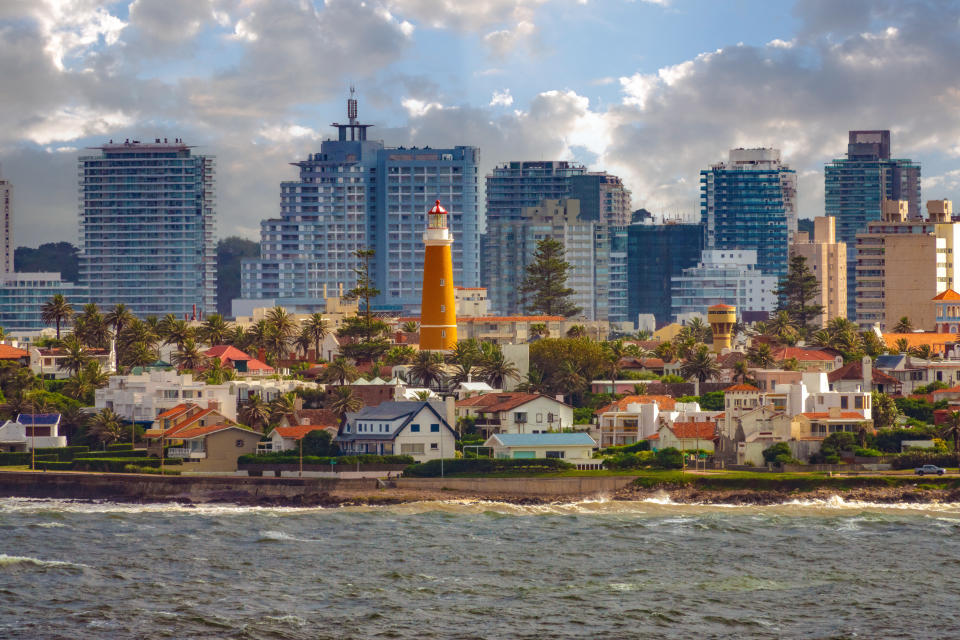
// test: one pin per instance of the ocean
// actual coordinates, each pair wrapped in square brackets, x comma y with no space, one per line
[593,569]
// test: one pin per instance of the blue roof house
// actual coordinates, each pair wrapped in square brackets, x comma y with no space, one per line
[575,448]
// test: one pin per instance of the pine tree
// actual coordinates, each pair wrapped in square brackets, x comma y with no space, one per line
[797,290]
[545,287]
[368,333]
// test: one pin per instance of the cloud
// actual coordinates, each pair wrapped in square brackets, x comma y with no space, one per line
[501,98]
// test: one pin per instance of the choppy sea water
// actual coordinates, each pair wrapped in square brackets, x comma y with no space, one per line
[593,569]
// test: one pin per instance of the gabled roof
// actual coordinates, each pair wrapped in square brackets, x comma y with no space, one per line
[854,371]
[315,417]
[390,410]
[226,352]
[666,403]
[949,294]
[12,353]
[38,418]
[298,431]
[542,439]
[741,387]
[198,432]
[888,361]
[693,430]
[496,402]
[802,355]
[169,413]
[950,390]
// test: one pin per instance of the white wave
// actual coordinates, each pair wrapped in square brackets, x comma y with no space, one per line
[45,505]
[12,561]
[281,536]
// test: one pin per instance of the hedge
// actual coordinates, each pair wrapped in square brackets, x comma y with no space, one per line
[431,469]
[288,458]
[12,459]
[112,454]
[912,460]
[55,466]
[120,446]
[116,465]
[64,454]
[132,468]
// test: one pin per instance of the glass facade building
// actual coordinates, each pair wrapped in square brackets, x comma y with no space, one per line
[855,188]
[724,277]
[147,216]
[655,254]
[358,194]
[22,296]
[749,202]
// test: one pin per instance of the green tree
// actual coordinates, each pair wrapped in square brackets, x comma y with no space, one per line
[254,412]
[400,354]
[316,328]
[495,369]
[797,293]
[903,325]
[951,429]
[56,311]
[577,331]
[342,400]
[340,371]
[884,410]
[106,426]
[544,289]
[214,330]
[761,355]
[700,365]
[319,442]
[189,357]
[427,368]
[367,333]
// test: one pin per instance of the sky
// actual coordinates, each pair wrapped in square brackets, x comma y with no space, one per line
[650,90]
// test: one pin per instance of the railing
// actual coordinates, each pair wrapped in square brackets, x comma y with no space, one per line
[183,452]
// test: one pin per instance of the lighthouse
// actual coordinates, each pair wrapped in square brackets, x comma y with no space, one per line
[438,315]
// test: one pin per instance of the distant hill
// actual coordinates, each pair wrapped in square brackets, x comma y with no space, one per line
[229,253]
[52,256]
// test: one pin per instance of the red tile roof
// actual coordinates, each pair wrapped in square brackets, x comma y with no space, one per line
[666,403]
[854,371]
[496,402]
[196,432]
[177,410]
[693,430]
[299,431]
[317,417]
[823,415]
[741,387]
[950,390]
[949,294]
[228,354]
[655,436]
[12,353]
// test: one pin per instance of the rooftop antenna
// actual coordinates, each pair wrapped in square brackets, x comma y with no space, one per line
[352,105]
[353,130]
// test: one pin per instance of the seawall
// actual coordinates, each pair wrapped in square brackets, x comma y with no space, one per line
[551,488]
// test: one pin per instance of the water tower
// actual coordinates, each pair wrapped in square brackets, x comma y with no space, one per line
[722,317]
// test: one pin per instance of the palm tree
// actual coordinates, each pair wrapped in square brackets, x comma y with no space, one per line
[409,327]
[539,329]
[254,412]
[282,327]
[951,429]
[237,337]
[400,354]
[214,329]
[85,381]
[568,380]
[698,364]
[56,311]
[92,328]
[535,382]
[342,400]
[75,355]
[923,351]
[465,353]
[422,395]
[140,355]
[902,345]
[216,373]
[189,356]
[741,371]
[761,355]
[106,426]
[282,405]
[700,330]
[303,342]
[340,371]
[615,352]
[72,419]
[577,331]
[119,318]
[903,326]
[258,335]
[175,331]
[427,367]
[317,328]
[495,369]
[782,327]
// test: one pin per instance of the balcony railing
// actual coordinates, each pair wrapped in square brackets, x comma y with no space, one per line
[183,452]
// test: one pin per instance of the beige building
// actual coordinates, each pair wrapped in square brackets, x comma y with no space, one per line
[334,309]
[902,265]
[827,259]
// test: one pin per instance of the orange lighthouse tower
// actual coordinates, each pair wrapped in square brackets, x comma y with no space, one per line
[438,314]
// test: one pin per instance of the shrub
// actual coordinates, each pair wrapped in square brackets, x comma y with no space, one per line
[431,469]
[111,454]
[669,458]
[626,460]
[582,415]
[293,457]
[777,450]
[862,452]
[712,401]
[913,459]
[8,459]
[132,468]
[116,465]
[120,446]
[642,445]
[671,379]
[55,466]
[63,453]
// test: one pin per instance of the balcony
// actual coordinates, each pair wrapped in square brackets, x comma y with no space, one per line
[185,453]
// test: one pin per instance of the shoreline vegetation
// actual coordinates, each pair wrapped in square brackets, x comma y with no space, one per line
[709,488]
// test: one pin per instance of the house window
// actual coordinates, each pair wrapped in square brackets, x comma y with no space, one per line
[411,448]
[434,446]
[555,454]
[434,428]
[415,428]
[820,399]
[443,333]
[844,402]
[520,416]
[539,417]
[442,282]
[858,402]
[443,308]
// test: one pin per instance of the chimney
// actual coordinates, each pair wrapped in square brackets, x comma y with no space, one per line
[262,354]
[867,374]
[834,412]
[213,405]
[450,404]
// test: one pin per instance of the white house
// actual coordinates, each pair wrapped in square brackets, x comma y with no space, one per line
[575,448]
[288,438]
[30,430]
[419,429]
[46,362]
[267,388]
[142,397]
[516,413]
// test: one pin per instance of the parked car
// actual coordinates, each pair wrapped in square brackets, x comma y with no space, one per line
[929,469]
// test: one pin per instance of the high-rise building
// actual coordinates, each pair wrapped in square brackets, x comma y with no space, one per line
[655,254]
[827,260]
[903,263]
[856,186]
[6,225]
[515,186]
[595,252]
[22,296]
[356,194]
[438,309]
[749,202]
[147,216]
[725,276]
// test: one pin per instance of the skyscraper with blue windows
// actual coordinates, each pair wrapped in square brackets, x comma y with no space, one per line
[855,188]
[356,194]
[147,217]
[749,202]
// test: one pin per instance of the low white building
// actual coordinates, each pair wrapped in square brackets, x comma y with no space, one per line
[288,438]
[29,430]
[142,397]
[418,429]
[575,448]
[638,417]
[267,389]
[726,276]
[46,362]
[516,413]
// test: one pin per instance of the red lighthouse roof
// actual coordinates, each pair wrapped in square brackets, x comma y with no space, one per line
[437,208]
